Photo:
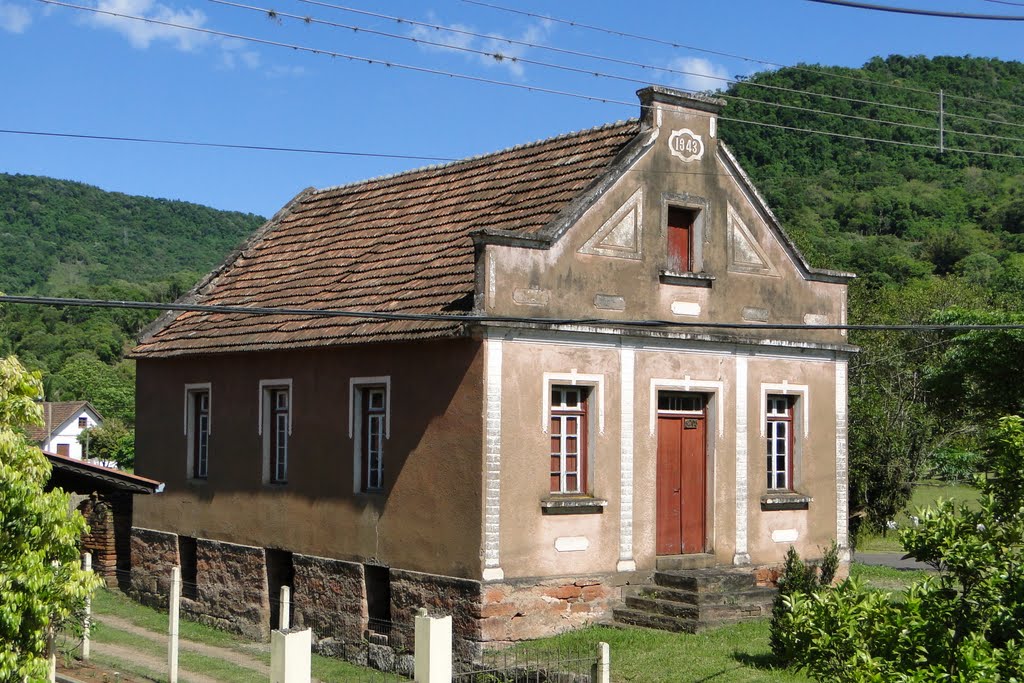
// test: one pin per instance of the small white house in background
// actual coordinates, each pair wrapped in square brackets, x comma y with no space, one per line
[63,421]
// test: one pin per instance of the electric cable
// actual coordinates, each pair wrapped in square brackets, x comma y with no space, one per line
[479,318]
[682,46]
[919,12]
[561,67]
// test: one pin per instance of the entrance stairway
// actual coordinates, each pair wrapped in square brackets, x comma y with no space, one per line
[691,600]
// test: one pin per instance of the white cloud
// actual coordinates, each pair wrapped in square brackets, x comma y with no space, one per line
[234,53]
[14,18]
[280,71]
[499,51]
[699,74]
[142,34]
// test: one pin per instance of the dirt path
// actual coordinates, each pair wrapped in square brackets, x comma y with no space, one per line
[154,664]
[222,653]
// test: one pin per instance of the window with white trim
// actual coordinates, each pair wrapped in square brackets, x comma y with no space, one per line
[779,441]
[197,429]
[369,429]
[568,435]
[276,408]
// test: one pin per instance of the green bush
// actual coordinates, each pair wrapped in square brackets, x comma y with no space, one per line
[954,464]
[799,577]
[964,624]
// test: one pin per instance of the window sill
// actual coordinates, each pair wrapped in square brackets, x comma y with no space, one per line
[669,277]
[785,500]
[572,505]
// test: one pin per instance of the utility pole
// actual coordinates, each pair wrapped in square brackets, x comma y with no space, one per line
[942,122]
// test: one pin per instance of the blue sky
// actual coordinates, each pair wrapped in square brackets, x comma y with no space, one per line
[71,71]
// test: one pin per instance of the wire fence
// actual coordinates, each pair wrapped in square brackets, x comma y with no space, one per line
[531,663]
[386,647]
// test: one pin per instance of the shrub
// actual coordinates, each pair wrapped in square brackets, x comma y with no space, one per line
[964,624]
[799,577]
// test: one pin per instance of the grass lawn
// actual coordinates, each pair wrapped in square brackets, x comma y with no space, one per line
[113,603]
[731,654]
[925,493]
[886,578]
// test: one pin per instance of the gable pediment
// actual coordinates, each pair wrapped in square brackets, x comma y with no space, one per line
[745,254]
[621,236]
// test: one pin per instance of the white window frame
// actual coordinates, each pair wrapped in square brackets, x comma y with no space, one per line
[802,394]
[583,449]
[572,378]
[788,439]
[191,391]
[267,386]
[356,385]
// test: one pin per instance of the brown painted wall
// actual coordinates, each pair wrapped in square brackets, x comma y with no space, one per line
[427,519]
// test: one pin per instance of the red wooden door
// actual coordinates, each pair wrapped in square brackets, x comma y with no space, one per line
[681,486]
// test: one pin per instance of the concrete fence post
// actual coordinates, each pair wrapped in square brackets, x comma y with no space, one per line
[51,655]
[87,621]
[603,666]
[291,654]
[172,628]
[285,607]
[433,647]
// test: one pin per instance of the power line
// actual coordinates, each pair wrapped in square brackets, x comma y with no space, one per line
[683,46]
[480,79]
[605,58]
[920,12]
[473,318]
[561,67]
[223,145]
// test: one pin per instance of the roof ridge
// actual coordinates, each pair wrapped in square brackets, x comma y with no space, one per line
[476,157]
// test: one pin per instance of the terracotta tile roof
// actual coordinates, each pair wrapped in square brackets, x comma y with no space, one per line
[55,414]
[401,243]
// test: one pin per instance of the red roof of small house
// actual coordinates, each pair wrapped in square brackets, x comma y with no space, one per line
[55,414]
[98,476]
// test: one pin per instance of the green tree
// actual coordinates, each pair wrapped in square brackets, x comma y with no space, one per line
[41,580]
[111,389]
[964,625]
[112,442]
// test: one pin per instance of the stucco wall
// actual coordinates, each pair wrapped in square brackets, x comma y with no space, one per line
[426,519]
[532,543]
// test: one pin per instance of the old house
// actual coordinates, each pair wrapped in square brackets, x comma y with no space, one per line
[519,467]
[63,421]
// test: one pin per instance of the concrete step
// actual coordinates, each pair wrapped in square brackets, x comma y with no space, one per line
[692,561]
[753,596]
[706,581]
[635,617]
[669,608]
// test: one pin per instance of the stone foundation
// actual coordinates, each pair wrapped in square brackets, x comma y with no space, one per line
[329,597]
[231,589]
[154,554]
[526,609]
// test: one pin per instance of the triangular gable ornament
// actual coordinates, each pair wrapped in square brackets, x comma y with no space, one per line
[621,236]
[745,254]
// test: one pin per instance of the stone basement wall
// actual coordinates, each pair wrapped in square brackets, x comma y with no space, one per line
[329,597]
[154,553]
[524,609]
[441,595]
[231,591]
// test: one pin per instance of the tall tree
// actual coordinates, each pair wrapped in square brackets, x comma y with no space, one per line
[41,579]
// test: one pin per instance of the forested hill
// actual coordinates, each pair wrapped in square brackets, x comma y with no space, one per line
[897,210]
[57,234]
[62,238]
[935,236]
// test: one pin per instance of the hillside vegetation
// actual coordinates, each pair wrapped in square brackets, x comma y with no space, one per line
[62,238]
[935,236]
